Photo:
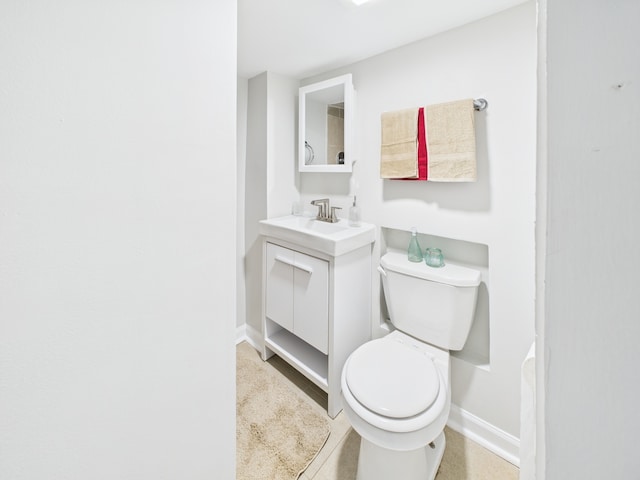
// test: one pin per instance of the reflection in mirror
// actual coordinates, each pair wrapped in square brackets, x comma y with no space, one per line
[324,126]
[335,133]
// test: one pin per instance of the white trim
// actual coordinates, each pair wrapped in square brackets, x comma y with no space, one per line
[246,333]
[241,333]
[488,436]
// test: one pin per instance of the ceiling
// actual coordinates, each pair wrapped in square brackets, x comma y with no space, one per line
[302,38]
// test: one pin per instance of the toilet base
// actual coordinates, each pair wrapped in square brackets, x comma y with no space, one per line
[377,463]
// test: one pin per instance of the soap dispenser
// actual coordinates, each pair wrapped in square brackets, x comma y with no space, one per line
[354,214]
[414,253]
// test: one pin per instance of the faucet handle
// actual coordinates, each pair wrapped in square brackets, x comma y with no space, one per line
[334,218]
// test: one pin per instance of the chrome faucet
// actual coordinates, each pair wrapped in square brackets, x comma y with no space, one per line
[323,208]
[325,213]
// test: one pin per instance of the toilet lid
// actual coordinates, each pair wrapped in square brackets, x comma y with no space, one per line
[392,379]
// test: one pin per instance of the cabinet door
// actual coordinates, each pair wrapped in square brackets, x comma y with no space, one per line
[311,301]
[279,281]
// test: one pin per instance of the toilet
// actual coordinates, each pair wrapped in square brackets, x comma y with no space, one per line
[396,390]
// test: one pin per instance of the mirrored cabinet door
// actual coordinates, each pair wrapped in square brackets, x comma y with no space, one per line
[325,126]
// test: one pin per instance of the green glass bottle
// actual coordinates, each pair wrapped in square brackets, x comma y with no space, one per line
[414,253]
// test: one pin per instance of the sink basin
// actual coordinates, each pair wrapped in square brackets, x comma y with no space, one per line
[331,238]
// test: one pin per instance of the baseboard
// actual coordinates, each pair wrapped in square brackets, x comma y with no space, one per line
[241,334]
[246,333]
[490,437]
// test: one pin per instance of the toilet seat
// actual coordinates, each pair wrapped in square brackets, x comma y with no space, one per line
[392,379]
[438,408]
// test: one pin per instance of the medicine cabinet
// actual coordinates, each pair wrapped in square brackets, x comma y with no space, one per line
[325,123]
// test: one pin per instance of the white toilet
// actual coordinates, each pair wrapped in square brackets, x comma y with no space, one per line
[396,390]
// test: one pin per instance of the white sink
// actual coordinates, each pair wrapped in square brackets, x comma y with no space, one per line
[331,238]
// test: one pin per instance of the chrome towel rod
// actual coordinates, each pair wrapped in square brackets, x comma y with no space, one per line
[480,104]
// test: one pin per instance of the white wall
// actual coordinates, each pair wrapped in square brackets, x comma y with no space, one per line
[494,58]
[270,178]
[255,194]
[241,141]
[282,173]
[591,317]
[117,201]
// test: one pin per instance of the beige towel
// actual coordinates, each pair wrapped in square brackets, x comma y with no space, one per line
[451,142]
[399,149]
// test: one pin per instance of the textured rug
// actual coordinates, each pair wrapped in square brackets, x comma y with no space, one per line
[279,430]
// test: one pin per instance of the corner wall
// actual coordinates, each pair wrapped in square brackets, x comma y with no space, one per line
[117,304]
[270,175]
[591,317]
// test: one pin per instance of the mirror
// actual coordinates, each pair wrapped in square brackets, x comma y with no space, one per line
[324,126]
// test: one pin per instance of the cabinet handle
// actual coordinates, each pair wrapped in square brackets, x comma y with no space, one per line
[300,266]
[284,260]
[303,267]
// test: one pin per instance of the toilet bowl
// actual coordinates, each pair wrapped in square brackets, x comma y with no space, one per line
[396,394]
[396,390]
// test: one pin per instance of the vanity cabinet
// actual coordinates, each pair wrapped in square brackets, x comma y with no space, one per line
[316,310]
[297,294]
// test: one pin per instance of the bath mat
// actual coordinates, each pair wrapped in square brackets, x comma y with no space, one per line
[279,430]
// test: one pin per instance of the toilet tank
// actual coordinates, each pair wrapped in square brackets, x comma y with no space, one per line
[435,305]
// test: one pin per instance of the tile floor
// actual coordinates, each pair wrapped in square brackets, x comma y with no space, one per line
[463,458]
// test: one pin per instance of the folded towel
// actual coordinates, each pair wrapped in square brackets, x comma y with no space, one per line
[399,149]
[422,148]
[451,142]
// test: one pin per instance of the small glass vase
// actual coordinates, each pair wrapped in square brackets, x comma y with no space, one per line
[414,252]
[433,257]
